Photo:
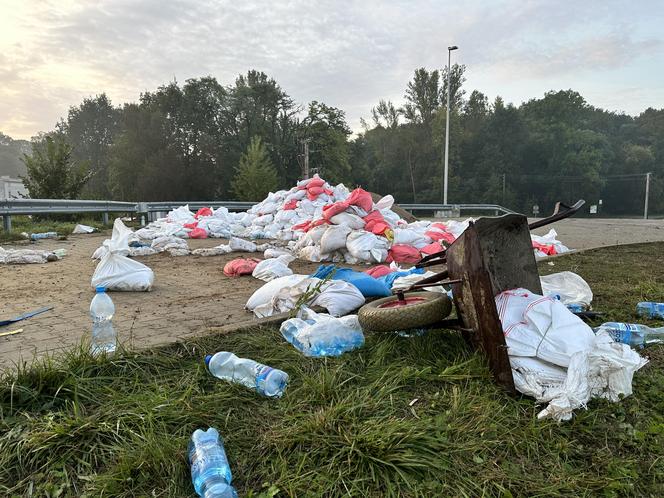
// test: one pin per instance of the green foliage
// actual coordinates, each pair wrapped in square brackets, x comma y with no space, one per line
[412,417]
[11,152]
[52,173]
[255,176]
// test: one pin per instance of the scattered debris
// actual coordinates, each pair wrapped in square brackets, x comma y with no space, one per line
[29,314]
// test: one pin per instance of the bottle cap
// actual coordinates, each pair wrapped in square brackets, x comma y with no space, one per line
[207,360]
[100,289]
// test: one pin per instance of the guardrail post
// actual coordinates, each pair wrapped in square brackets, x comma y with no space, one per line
[105,217]
[7,222]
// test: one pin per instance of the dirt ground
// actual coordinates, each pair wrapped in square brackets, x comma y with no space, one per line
[191,294]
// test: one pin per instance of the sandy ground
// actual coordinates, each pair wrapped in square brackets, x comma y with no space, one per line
[191,293]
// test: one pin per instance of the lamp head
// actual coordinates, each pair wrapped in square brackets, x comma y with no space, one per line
[453,47]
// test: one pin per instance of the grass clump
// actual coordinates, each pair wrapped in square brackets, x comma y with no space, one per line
[413,417]
[26,224]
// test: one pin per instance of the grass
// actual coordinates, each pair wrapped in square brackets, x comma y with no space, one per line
[22,224]
[413,417]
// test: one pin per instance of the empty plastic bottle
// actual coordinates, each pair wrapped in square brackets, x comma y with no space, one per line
[210,471]
[45,235]
[323,335]
[650,310]
[634,334]
[104,337]
[266,380]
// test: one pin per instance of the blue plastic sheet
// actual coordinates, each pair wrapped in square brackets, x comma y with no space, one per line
[366,284]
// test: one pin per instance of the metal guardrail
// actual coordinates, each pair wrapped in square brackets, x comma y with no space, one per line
[9,208]
[456,207]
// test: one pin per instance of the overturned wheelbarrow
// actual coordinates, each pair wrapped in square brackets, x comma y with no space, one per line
[492,255]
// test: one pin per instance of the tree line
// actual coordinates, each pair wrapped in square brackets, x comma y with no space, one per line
[203,141]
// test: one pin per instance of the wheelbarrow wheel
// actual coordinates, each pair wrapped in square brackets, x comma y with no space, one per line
[418,310]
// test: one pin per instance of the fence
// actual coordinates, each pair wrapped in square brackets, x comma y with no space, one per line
[9,208]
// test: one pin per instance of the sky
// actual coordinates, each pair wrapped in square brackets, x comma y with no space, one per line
[348,54]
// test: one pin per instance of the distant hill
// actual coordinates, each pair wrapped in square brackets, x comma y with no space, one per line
[11,152]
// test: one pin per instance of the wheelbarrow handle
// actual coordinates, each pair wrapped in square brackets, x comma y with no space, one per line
[560,212]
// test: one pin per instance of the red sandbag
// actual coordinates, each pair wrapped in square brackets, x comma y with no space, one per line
[549,250]
[315,182]
[315,224]
[379,271]
[375,223]
[191,225]
[290,205]
[442,226]
[240,266]
[204,211]
[360,198]
[334,209]
[403,253]
[304,226]
[437,236]
[198,233]
[432,248]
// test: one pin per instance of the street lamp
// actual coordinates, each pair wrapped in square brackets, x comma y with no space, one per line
[447,125]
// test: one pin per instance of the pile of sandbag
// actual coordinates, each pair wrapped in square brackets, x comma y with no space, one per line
[320,222]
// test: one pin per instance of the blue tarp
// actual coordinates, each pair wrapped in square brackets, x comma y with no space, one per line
[366,284]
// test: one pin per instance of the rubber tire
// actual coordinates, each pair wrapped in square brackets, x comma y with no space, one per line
[435,308]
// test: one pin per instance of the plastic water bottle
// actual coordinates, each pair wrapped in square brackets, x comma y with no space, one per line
[210,471]
[45,235]
[324,335]
[650,310]
[266,380]
[576,307]
[104,338]
[634,334]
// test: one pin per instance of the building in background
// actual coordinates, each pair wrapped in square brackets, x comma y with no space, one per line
[12,188]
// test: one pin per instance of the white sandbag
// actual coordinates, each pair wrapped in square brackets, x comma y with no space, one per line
[571,288]
[175,250]
[265,294]
[384,203]
[161,244]
[213,251]
[550,239]
[392,218]
[275,252]
[264,220]
[367,247]
[544,339]
[269,269]
[241,245]
[285,216]
[83,229]
[181,215]
[141,251]
[408,280]
[311,253]
[352,221]
[411,237]
[334,238]
[101,251]
[339,298]
[25,256]
[116,271]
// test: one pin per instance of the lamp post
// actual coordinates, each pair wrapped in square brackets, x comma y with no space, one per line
[447,125]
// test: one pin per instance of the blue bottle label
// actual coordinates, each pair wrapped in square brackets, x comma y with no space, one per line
[262,371]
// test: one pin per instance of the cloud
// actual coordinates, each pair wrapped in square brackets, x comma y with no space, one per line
[347,54]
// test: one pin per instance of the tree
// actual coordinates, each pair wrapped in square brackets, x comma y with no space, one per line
[52,173]
[328,131]
[90,129]
[422,97]
[255,176]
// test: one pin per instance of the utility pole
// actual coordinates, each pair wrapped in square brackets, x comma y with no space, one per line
[503,189]
[447,125]
[306,157]
[645,207]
